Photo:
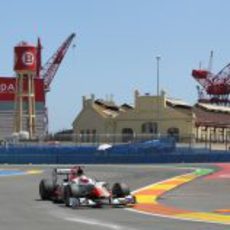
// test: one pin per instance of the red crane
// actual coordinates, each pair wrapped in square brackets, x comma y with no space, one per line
[48,71]
[215,87]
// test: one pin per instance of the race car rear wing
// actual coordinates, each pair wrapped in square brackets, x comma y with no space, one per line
[62,171]
[67,171]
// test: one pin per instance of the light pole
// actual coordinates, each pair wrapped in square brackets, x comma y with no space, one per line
[158,74]
[158,94]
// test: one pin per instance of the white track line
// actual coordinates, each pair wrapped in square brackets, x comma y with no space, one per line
[94,222]
[101,224]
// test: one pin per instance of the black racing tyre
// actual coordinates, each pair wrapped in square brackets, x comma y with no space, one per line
[67,195]
[46,189]
[134,201]
[120,190]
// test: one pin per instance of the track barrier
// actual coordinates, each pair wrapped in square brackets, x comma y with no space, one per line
[156,151]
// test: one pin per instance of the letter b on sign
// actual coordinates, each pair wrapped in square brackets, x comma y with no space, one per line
[28,58]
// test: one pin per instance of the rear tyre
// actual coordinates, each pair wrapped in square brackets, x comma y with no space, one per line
[120,190]
[67,195]
[46,189]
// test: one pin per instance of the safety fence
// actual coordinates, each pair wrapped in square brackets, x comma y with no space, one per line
[155,151]
[189,142]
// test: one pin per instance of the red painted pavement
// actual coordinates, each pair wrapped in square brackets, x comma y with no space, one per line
[223,173]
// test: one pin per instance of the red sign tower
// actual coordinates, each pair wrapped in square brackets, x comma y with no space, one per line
[25,67]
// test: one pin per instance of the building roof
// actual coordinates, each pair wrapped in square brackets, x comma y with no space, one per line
[177,103]
[205,114]
[107,104]
[215,108]
[208,115]
[109,109]
[126,106]
[106,110]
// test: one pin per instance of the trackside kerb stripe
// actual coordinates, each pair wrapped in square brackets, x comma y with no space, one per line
[11,172]
[147,200]
[5,173]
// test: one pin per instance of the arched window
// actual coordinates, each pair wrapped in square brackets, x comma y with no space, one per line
[149,127]
[94,135]
[127,134]
[82,136]
[174,132]
[87,135]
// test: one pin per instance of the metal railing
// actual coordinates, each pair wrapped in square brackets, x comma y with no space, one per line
[188,142]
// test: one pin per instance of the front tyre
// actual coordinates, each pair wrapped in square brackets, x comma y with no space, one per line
[120,190]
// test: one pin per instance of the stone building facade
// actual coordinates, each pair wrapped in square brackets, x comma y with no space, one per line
[149,117]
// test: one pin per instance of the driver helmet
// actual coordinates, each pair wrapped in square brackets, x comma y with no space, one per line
[80,171]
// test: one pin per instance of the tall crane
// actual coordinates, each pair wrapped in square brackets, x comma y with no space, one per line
[50,68]
[215,87]
[48,71]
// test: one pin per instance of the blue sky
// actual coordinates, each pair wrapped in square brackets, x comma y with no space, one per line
[116,46]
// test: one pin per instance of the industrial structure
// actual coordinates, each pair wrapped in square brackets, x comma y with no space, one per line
[25,67]
[23,97]
[215,88]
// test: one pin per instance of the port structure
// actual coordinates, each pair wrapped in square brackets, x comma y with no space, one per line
[213,88]
[28,69]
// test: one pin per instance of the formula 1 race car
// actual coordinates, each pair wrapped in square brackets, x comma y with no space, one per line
[71,187]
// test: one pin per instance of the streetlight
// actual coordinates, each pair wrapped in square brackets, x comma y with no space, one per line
[158,73]
[158,94]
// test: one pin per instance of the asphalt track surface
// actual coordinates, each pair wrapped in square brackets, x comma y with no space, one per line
[22,209]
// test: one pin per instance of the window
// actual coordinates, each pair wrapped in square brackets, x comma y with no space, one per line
[174,132]
[94,135]
[88,135]
[82,136]
[127,134]
[149,127]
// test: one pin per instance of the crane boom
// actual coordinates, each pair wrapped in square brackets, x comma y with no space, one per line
[215,87]
[50,68]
